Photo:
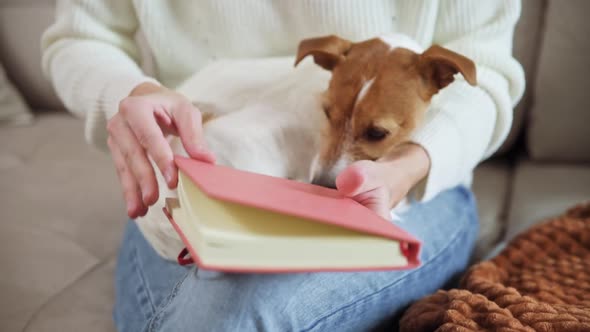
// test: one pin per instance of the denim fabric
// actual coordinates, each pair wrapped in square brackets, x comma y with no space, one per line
[156,295]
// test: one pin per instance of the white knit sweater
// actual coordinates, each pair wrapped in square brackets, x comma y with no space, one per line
[91,57]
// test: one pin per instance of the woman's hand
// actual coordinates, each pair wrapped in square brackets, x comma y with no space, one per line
[137,132]
[380,185]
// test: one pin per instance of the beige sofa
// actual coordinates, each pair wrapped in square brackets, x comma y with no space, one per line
[62,214]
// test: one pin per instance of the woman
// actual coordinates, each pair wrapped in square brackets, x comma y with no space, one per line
[90,56]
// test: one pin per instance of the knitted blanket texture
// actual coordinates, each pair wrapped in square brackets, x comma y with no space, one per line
[540,282]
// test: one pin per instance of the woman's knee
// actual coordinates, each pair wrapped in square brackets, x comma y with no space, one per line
[221,302]
[288,302]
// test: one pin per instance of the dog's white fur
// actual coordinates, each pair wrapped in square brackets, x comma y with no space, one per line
[268,121]
[364,91]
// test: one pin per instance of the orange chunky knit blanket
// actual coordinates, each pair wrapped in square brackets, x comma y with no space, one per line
[540,282]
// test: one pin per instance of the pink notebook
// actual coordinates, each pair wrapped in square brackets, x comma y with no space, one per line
[233,220]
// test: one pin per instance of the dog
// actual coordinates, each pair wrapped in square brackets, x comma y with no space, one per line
[357,102]
[377,95]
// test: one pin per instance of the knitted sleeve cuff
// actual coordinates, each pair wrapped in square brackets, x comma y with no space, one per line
[455,133]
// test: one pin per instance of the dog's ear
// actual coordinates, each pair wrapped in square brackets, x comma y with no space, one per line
[439,65]
[327,51]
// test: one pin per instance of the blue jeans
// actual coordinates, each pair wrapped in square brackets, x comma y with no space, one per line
[153,294]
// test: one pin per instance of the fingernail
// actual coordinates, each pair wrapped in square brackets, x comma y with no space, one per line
[205,154]
[130,210]
[144,196]
[169,174]
[203,149]
[211,158]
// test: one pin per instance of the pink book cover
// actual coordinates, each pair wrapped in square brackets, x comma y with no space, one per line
[303,200]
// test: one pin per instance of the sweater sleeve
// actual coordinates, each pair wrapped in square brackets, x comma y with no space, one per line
[90,56]
[466,124]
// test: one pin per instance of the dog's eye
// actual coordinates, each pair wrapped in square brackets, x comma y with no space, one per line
[375,134]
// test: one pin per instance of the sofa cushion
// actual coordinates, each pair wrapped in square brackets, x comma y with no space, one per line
[558,127]
[63,216]
[37,263]
[526,48]
[13,110]
[86,305]
[541,191]
[73,187]
[21,26]
[491,185]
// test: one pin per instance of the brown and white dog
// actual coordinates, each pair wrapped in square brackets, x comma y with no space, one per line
[309,123]
[379,91]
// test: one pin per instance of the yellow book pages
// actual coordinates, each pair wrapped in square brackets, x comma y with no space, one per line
[243,237]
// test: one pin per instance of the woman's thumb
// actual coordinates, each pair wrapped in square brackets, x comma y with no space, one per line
[360,177]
